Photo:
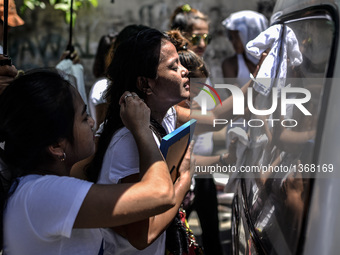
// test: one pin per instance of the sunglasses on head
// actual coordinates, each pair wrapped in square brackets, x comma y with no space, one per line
[196,38]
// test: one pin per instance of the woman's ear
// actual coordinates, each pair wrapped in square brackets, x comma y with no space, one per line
[143,85]
[58,150]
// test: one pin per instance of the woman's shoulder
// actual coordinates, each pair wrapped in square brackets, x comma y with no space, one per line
[122,133]
[123,137]
[34,180]
[42,189]
[121,158]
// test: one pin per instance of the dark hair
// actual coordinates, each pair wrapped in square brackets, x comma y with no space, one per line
[123,35]
[127,32]
[136,57]
[184,17]
[36,110]
[99,66]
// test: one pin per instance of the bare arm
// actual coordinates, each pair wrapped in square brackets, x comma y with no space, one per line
[291,137]
[143,233]
[229,67]
[114,205]
[221,111]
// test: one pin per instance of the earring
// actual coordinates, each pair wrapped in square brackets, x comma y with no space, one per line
[63,157]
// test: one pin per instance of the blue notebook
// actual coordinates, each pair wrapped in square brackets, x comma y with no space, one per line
[174,145]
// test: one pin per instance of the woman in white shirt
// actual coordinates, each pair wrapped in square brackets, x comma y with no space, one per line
[46,129]
[147,64]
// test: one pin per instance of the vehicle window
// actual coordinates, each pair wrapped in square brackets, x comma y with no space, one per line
[276,198]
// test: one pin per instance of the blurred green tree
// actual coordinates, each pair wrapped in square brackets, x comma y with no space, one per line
[63,5]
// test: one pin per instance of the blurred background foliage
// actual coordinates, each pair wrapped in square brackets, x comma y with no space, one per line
[63,5]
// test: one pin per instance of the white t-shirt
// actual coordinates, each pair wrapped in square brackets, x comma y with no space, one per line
[39,218]
[121,160]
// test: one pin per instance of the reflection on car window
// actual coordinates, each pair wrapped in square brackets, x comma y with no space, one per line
[276,200]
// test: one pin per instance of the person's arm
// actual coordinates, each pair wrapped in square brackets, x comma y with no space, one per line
[229,67]
[7,75]
[205,122]
[290,137]
[120,204]
[228,158]
[143,233]
[221,159]
[221,111]
[73,56]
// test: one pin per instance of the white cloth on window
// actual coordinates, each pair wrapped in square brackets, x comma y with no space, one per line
[274,67]
[249,24]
